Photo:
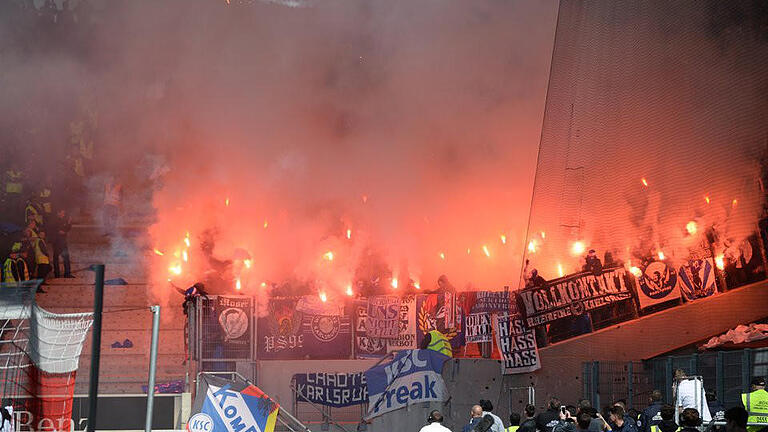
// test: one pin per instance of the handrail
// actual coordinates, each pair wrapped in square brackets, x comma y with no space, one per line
[328,416]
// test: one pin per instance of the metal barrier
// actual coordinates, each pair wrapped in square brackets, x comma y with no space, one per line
[725,373]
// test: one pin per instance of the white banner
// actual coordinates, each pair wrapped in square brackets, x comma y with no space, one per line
[406,340]
[478,327]
[516,343]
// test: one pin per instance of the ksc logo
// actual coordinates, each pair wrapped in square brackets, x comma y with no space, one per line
[200,422]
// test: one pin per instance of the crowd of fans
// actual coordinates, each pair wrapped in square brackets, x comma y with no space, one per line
[656,417]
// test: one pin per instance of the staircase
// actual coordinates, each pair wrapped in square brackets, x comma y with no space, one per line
[126,308]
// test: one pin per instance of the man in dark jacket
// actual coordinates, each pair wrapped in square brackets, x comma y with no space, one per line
[548,419]
[652,414]
[58,229]
[619,421]
[529,424]
[667,422]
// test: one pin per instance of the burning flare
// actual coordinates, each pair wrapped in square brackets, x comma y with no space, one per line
[394,283]
[157,252]
[247,263]
[503,239]
[706,198]
[720,262]
[644,181]
[328,256]
[238,285]
[226,202]
[349,234]
[442,256]
[560,271]
[636,271]
[532,246]
[323,297]
[486,251]
[184,256]
[349,291]
[175,269]
[578,248]
[661,256]
[691,227]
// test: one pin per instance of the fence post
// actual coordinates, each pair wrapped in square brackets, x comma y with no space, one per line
[595,384]
[746,369]
[668,378]
[720,376]
[630,383]
[694,364]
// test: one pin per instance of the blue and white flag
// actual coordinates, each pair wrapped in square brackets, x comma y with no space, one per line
[413,376]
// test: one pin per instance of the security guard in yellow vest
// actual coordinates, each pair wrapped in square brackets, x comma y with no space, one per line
[436,341]
[514,423]
[32,213]
[14,267]
[756,404]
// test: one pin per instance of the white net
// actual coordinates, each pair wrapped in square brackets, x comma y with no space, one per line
[39,355]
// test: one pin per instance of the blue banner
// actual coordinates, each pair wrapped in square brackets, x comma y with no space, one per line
[231,406]
[413,376]
[331,389]
[287,333]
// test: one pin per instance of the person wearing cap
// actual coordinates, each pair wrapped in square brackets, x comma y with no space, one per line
[756,404]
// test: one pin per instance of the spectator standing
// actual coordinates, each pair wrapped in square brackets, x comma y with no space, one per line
[736,420]
[566,420]
[619,421]
[113,197]
[475,414]
[652,414]
[529,424]
[690,420]
[667,423]
[42,262]
[597,424]
[434,423]
[487,406]
[547,420]
[716,409]
[689,393]
[514,422]
[59,229]
[756,404]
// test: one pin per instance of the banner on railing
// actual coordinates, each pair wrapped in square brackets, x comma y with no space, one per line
[413,376]
[331,389]
[572,295]
[516,344]
[657,284]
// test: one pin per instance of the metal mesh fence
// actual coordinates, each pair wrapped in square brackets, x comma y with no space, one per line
[726,374]
[654,134]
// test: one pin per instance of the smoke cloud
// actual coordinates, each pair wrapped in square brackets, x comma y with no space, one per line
[399,136]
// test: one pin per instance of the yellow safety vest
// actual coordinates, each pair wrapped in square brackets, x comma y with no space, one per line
[21,268]
[655,428]
[32,214]
[438,342]
[756,404]
[41,254]
[8,268]
[13,182]
[512,429]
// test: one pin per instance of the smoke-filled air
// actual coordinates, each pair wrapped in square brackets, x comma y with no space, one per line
[334,147]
